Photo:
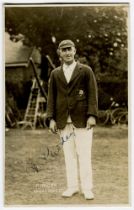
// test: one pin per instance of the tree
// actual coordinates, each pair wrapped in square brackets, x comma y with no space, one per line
[100,33]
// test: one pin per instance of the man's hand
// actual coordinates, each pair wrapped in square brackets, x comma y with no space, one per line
[91,122]
[53,126]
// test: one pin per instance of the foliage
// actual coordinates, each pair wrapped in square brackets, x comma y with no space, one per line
[17,97]
[100,34]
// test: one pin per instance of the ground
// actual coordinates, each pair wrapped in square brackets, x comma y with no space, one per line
[35,170]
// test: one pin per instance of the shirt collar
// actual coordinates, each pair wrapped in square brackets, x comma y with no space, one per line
[71,66]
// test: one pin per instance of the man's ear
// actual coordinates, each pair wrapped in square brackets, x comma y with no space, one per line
[75,50]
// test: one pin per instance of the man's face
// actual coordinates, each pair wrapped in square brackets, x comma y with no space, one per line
[67,54]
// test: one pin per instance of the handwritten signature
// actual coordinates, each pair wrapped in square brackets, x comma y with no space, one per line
[45,153]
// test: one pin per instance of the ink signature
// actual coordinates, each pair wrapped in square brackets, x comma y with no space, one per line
[45,153]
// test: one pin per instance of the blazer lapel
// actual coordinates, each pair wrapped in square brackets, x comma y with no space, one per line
[62,76]
[76,72]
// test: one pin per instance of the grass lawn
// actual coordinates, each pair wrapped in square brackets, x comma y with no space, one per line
[35,170]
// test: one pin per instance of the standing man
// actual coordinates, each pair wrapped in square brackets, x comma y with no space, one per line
[72,110]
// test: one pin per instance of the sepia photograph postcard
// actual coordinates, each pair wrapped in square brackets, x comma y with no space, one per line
[66,124]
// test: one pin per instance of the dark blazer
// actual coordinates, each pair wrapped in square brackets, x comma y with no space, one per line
[78,98]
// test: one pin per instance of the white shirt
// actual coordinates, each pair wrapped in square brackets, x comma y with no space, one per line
[68,71]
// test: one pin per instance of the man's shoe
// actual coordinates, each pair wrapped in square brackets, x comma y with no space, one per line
[88,195]
[69,193]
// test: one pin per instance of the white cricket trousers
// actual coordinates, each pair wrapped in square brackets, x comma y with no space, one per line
[77,144]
